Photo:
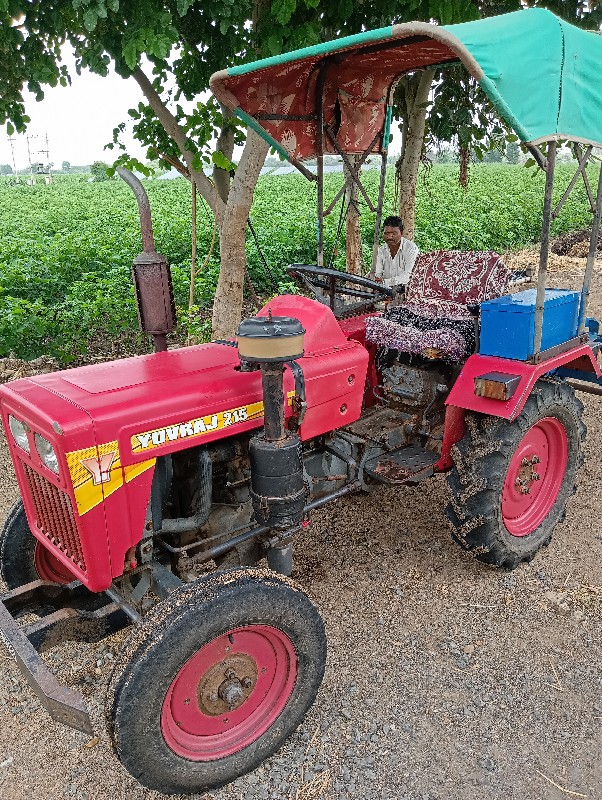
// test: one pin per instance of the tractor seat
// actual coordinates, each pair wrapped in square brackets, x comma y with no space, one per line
[443,297]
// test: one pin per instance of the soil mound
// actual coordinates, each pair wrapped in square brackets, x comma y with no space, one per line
[574,244]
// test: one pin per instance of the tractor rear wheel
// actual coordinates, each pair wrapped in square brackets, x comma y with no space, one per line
[22,558]
[512,480]
[214,679]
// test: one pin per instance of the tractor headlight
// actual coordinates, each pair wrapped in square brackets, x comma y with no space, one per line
[19,432]
[47,454]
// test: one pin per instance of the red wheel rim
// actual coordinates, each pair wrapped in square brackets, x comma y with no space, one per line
[229,693]
[535,476]
[48,567]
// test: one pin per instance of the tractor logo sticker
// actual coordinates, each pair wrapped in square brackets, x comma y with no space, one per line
[100,468]
[196,427]
[97,472]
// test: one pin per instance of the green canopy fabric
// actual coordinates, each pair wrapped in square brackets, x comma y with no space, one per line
[542,75]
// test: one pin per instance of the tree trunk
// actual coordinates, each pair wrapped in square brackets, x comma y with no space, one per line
[353,237]
[227,306]
[225,145]
[417,93]
[231,214]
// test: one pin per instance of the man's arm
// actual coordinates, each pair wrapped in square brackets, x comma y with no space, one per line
[410,254]
[379,268]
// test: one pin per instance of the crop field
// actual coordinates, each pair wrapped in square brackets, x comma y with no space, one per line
[66,250]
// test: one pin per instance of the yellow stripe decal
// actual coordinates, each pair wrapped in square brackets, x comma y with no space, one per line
[195,428]
[200,426]
[96,473]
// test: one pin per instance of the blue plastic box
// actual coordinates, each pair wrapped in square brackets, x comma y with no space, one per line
[508,323]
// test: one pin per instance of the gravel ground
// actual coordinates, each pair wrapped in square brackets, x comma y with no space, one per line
[445,679]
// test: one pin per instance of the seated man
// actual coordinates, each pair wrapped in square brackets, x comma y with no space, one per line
[396,256]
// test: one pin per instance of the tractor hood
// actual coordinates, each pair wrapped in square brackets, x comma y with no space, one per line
[159,403]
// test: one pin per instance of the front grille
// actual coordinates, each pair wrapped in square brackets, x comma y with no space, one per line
[55,517]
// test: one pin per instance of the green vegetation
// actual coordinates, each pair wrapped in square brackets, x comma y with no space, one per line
[66,250]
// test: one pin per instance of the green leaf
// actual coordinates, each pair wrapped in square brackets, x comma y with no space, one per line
[90,19]
[182,6]
[130,54]
[10,128]
[274,44]
[220,161]
[283,10]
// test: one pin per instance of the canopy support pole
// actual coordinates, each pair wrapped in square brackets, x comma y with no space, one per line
[591,256]
[379,211]
[588,189]
[353,172]
[320,160]
[580,168]
[383,175]
[353,178]
[545,246]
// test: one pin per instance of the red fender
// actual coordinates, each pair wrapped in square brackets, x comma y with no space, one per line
[462,394]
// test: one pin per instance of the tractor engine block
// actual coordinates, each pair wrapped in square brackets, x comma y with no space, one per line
[413,387]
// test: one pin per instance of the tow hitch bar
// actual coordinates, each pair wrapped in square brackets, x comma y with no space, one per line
[70,621]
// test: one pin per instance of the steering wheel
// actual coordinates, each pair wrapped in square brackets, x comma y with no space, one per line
[332,287]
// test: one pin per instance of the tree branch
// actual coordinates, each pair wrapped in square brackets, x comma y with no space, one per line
[177,133]
[175,163]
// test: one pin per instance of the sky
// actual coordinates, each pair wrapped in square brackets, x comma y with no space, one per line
[78,119]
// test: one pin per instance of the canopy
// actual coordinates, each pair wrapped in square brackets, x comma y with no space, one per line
[541,74]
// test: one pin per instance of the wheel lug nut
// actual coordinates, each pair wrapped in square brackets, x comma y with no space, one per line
[535,460]
[247,683]
[212,698]
[525,462]
[535,476]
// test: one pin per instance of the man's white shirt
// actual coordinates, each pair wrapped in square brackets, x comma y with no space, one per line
[396,270]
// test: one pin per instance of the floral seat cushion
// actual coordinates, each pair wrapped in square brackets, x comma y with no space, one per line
[463,277]
[438,314]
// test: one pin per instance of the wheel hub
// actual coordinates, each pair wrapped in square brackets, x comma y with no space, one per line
[534,477]
[229,693]
[527,474]
[227,685]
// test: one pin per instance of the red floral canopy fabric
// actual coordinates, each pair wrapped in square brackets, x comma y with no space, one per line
[283,98]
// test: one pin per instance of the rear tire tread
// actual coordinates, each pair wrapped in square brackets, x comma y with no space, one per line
[481,461]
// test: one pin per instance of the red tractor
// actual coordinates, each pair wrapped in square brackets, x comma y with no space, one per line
[138,476]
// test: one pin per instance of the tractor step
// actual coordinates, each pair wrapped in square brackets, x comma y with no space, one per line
[410,464]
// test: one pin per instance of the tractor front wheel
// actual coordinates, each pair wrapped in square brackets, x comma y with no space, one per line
[512,480]
[22,558]
[214,679]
